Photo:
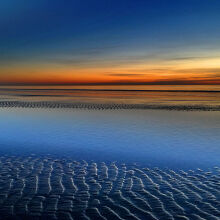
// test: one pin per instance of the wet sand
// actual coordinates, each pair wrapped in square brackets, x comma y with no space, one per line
[96,106]
[50,188]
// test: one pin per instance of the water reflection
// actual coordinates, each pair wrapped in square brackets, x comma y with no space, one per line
[152,138]
[158,95]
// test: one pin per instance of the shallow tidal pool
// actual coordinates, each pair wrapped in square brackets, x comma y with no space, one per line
[173,139]
[109,164]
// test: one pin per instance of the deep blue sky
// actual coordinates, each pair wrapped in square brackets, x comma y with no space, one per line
[86,33]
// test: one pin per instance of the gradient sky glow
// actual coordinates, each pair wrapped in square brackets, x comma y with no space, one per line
[110,42]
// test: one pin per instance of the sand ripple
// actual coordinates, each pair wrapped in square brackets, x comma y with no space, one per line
[49,188]
[110,106]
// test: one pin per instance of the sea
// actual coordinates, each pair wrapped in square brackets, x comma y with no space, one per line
[58,161]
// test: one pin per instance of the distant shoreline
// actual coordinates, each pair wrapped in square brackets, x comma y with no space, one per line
[111,90]
[108,106]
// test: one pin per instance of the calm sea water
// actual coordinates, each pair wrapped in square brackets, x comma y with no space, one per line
[59,163]
[158,95]
[160,138]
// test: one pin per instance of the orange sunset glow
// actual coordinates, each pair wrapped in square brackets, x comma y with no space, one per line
[204,71]
[120,44]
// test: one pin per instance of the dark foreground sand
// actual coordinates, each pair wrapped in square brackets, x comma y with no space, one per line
[20,104]
[49,188]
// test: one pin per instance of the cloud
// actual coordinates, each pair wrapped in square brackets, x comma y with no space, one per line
[126,74]
[206,71]
[180,58]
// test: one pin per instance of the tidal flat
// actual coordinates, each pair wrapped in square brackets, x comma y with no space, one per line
[69,163]
[76,153]
[48,188]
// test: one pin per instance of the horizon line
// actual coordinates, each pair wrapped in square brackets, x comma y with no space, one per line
[110,83]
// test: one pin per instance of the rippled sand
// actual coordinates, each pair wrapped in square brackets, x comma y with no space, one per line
[50,188]
[10,104]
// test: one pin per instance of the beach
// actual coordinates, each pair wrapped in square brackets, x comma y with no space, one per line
[64,159]
[49,188]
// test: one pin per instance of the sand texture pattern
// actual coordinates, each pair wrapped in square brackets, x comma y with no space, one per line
[49,188]
[20,104]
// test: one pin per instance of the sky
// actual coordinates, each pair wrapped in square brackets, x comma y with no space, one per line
[110,42]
